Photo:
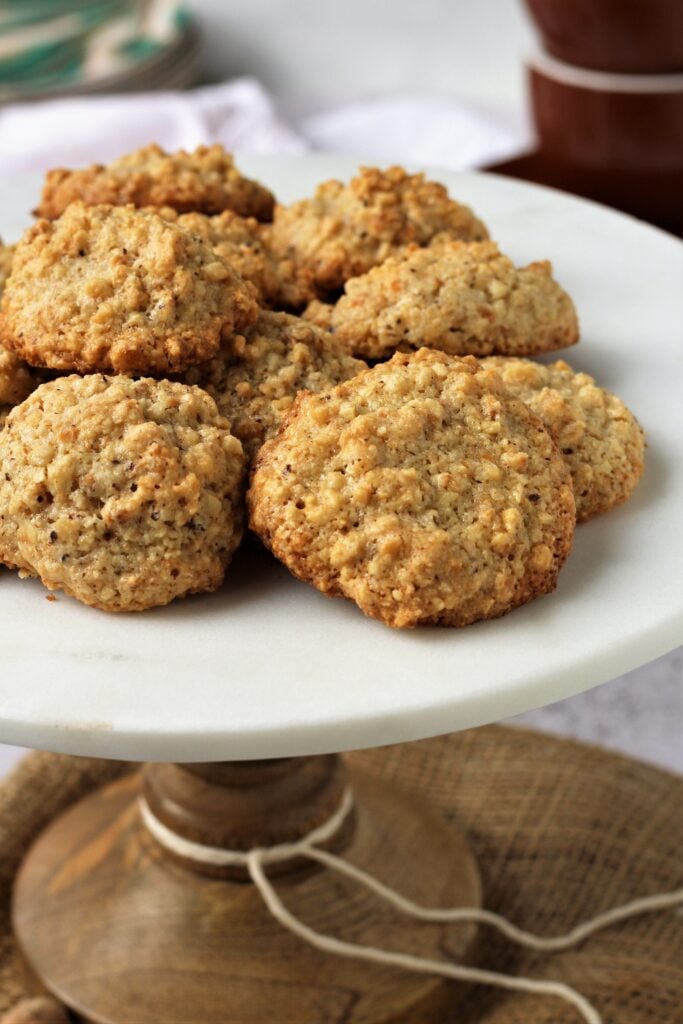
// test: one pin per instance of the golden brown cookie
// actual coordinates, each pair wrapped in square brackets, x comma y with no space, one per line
[344,230]
[599,437]
[205,180]
[420,490]
[123,493]
[17,381]
[255,378]
[464,299]
[6,256]
[115,288]
[244,243]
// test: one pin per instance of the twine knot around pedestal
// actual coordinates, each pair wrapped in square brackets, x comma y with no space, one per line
[308,847]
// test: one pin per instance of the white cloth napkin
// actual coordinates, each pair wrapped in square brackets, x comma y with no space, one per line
[76,131]
[241,114]
[433,131]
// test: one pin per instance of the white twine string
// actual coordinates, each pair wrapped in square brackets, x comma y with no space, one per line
[255,860]
[216,857]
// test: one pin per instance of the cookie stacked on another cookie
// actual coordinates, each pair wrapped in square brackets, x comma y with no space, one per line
[116,288]
[421,489]
[345,230]
[465,299]
[206,180]
[245,244]
[256,377]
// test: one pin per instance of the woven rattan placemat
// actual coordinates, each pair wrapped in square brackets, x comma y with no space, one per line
[562,831]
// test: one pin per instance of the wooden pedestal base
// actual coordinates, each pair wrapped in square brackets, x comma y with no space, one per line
[124,933]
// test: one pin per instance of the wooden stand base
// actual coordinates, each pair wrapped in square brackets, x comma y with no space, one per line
[125,933]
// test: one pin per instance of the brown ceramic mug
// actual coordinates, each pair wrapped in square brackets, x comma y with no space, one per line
[629,36]
[610,121]
[618,138]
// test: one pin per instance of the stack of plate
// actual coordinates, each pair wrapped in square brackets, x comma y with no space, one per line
[54,48]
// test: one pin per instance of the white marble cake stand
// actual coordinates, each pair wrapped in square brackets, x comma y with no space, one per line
[268,668]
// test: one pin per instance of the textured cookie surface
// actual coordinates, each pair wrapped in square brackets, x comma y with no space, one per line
[125,494]
[420,490]
[463,299]
[115,288]
[205,180]
[597,434]
[17,381]
[344,230]
[6,254]
[255,378]
[245,244]
[11,368]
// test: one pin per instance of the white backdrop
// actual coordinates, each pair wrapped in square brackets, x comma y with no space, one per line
[314,54]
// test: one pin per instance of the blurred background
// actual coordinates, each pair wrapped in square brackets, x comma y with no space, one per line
[308,54]
[586,95]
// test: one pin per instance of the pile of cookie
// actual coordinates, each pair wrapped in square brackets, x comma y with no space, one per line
[352,371]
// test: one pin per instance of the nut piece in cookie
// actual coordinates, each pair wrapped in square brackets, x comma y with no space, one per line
[245,244]
[115,288]
[464,299]
[255,378]
[123,493]
[205,180]
[599,437]
[420,490]
[17,381]
[344,230]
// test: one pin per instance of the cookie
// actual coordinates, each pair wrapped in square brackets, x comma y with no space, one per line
[599,437]
[244,243]
[123,493]
[17,378]
[344,230]
[255,378]
[420,490]
[205,180]
[115,288]
[17,381]
[462,299]
[6,256]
